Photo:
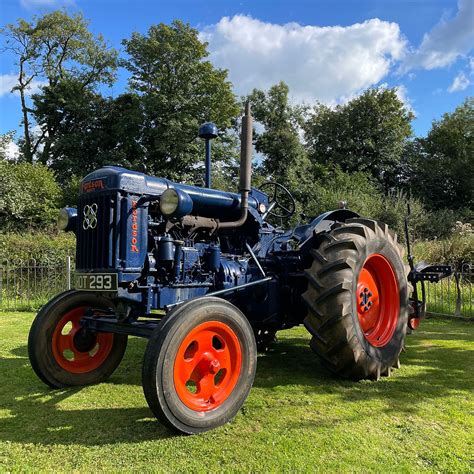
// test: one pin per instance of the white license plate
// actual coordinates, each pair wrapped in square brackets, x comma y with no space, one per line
[96,281]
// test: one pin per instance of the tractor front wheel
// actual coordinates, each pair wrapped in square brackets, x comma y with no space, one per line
[199,365]
[357,300]
[62,353]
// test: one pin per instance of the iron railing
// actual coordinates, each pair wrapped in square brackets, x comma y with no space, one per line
[452,296]
[29,285]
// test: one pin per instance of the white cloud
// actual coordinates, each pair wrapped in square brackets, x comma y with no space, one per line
[9,81]
[402,94]
[12,151]
[318,63]
[460,83]
[446,42]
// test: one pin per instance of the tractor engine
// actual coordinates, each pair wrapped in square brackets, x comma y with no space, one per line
[150,243]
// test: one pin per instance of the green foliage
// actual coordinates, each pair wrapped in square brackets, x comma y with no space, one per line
[364,196]
[439,224]
[59,48]
[279,140]
[91,131]
[456,249]
[29,196]
[179,89]
[44,247]
[443,163]
[366,134]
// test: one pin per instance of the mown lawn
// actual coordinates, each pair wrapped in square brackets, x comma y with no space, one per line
[297,418]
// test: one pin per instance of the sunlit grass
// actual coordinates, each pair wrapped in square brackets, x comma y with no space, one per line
[297,417]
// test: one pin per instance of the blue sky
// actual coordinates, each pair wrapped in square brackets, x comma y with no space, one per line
[326,50]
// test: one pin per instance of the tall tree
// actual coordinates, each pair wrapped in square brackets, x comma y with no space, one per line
[279,139]
[443,173]
[91,130]
[366,134]
[49,50]
[179,90]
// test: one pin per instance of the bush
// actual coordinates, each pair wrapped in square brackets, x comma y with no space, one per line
[439,224]
[29,196]
[42,246]
[455,250]
[364,196]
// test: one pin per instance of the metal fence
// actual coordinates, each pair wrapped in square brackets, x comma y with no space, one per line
[28,285]
[452,296]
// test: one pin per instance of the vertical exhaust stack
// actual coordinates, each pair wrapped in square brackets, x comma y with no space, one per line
[208,131]
[245,177]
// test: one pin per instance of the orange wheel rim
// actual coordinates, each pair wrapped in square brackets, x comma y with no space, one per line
[207,366]
[378,300]
[74,349]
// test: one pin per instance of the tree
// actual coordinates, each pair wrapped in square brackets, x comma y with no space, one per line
[279,140]
[443,164]
[50,50]
[91,131]
[179,89]
[366,134]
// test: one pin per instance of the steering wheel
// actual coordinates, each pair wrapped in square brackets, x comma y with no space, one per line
[279,198]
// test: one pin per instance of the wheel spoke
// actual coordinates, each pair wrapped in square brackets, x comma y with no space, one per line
[65,343]
[186,369]
[206,386]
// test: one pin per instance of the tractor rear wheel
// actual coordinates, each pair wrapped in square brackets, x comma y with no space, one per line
[64,354]
[357,300]
[199,365]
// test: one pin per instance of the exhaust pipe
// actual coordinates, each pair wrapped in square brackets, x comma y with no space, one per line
[245,169]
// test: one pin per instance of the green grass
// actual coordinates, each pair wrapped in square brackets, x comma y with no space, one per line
[297,417]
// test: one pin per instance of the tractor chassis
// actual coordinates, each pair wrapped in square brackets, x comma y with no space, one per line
[110,323]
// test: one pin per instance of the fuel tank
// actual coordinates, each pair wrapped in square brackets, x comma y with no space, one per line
[206,202]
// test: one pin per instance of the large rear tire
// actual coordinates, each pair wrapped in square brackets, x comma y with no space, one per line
[62,353]
[199,365]
[357,300]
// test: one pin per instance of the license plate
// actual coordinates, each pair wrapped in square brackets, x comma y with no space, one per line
[96,281]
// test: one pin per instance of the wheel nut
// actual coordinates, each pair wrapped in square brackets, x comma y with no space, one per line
[366,308]
[369,303]
[370,294]
[214,366]
[366,290]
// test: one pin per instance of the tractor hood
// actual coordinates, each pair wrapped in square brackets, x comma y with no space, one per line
[206,202]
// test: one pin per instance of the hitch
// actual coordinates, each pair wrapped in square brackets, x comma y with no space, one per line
[419,273]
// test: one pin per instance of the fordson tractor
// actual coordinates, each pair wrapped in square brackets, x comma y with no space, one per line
[207,279]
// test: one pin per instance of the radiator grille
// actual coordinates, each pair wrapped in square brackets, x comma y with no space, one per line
[97,245]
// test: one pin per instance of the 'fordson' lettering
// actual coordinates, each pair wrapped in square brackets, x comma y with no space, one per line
[134,247]
[92,186]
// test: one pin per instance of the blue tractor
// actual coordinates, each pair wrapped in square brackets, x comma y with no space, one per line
[208,280]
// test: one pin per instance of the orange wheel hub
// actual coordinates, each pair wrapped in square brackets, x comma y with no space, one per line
[76,350]
[207,366]
[378,300]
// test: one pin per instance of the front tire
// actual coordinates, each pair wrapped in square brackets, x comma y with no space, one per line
[357,300]
[199,365]
[62,353]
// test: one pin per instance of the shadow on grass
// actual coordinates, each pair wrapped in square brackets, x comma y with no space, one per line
[430,369]
[34,415]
